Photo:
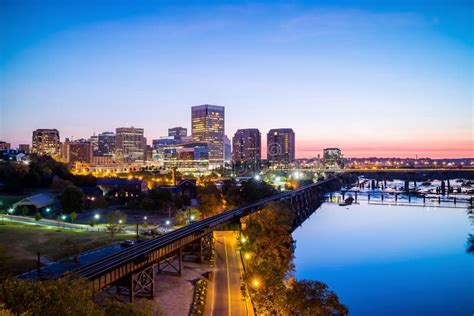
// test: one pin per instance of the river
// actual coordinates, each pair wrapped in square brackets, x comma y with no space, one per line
[390,260]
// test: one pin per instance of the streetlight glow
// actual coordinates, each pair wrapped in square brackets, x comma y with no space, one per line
[192,217]
[120,221]
[63,217]
[257,177]
[247,256]
[167,222]
[243,240]
[48,209]
[145,218]
[256,283]
[96,216]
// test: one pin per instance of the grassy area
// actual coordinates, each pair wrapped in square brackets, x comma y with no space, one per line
[22,242]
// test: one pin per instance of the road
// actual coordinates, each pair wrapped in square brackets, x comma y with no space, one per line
[227,297]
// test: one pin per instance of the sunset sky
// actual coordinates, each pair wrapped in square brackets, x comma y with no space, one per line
[375,78]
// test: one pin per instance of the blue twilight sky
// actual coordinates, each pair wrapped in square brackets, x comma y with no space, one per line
[386,78]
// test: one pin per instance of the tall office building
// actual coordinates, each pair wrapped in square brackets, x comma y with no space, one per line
[76,151]
[207,123]
[106,144]
[247,145]
[178,133]
[130,144]
[45,142]
[94,140]
[227,149]
[281,145]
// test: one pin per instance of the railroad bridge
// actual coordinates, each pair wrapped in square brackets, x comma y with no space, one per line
[131,271]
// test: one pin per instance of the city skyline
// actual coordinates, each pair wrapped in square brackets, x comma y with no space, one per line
[373,80]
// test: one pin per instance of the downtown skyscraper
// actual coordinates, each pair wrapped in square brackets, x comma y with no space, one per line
[281,145]
[130,144]
[207,125]
[247,145]
[45,142]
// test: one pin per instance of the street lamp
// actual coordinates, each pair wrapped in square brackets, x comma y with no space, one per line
[257,177]
[120,221]
[145,218]
[192,217]
[247,256]
[167,222]
[256,283]
[243,240]
[11,210]
[48,210]
[96,216]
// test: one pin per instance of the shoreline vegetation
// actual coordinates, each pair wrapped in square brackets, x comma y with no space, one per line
[268,249]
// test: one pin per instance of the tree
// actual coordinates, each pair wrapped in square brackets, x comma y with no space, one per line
[115,223]
[38,216]
[147,203]
[210,200]
[268,239]
[309,298]
[99,202]
[65,297]
[73,216]
[58,297]
[71,200]
[270,242]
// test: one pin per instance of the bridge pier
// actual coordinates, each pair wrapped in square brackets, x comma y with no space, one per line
[168,266]
[143,283]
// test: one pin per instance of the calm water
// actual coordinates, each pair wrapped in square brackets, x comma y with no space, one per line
[390,260]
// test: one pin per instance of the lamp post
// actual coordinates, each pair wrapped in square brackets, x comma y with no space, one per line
[11,210]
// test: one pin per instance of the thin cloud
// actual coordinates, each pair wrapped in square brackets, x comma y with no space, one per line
[343,21]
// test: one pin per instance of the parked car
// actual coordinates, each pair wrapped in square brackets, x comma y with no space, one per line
[127,243]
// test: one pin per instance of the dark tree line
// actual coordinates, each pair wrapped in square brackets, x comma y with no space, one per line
[39,173]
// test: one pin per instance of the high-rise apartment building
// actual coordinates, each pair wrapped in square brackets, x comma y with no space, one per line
[207,123]
[130,144]
[178,133]
[45,142]
[247,145]
[106,144]
[281,145]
